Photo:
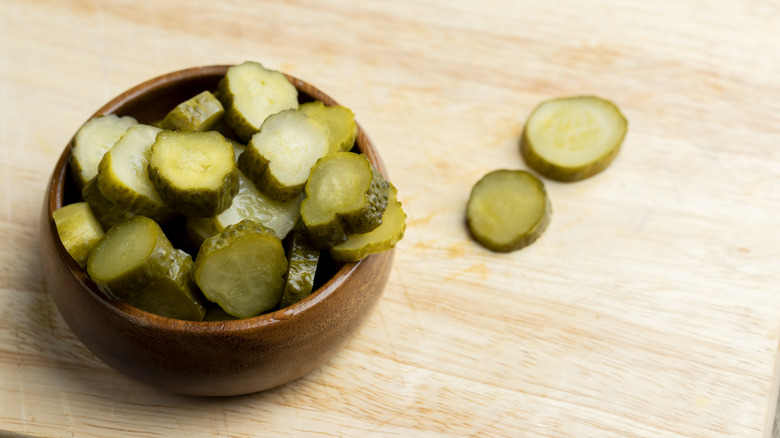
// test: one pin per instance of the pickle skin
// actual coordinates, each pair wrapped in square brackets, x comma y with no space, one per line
[527,237]
[570,173]
[199,113]
[78,229]
[302,259]
[152,268]
[105,211]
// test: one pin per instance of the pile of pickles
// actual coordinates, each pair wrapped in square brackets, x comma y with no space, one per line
[261,184]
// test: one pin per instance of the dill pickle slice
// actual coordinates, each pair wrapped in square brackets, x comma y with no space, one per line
[217,313]
[242,269]
[573,138]
[92,141]
[123,176]
[508,210]
[339,121]
[250,93]
[199,113]
[302,259]
[279,158]
[381,238]
[175,294]
[345,195]
[105,211]
[195,173]
[78,229]
[129,257]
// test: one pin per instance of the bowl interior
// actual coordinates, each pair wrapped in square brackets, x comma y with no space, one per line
[149,102]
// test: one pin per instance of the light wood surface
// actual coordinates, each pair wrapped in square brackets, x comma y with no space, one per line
[649,308]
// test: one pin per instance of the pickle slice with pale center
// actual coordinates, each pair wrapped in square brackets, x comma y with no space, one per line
[279,158]
[175,294]
[570,139]
[199,113]
[381,238]
[129,257]
[250,93]
[78,229]
[123,176]
[92,141]
[339,121]
[194,172]
[345,195]
[508,210]
[242,269]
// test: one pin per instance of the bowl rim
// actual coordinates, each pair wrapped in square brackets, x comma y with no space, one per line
[55,199]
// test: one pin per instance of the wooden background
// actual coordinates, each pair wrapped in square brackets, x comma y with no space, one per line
[649,308]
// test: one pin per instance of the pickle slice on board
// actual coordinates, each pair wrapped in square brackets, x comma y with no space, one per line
[279,158]
[199,113]
[250,93]
[381,238]
[345,195]
[242,269]
[105,211]
[175,294]
[129,257]
[302,260]
[92,141]
[508,210]
[570,139]
[123,175]
[78,229]
[195,173]
[339,121]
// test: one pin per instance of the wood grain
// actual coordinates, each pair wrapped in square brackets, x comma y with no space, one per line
[648,308]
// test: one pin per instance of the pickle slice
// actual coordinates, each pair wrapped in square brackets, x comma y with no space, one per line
[302,259]
[129,257]
[105,211]
[217,313]
[508,210]
[199,113]
[249,203]
[279,158]
[250,93]
[381,238]
[194,172]
[573,138]
[175,294]
[345,195]
[92,141]
[123,176]
[78,229]
[339,121]
[242,269]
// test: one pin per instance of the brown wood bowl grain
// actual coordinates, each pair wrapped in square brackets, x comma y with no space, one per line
[207,358]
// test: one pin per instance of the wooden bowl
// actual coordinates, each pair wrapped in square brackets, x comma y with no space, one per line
[207,358]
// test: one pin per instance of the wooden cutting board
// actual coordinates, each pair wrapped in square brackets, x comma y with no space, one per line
[649,308]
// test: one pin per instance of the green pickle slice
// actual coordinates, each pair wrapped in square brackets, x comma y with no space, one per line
[242,269]
[302,260]
[381,238]
[92,141]
[78,229]
[508,210]
[199,113]
[345,195]
[279,158]
[105,211]
[129,257]
[123,176]
[339,121]
[175,294]
[195,173]
[250,93]
[573,138]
